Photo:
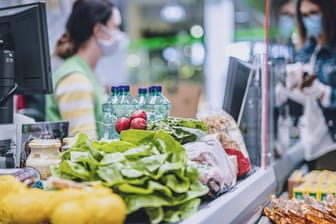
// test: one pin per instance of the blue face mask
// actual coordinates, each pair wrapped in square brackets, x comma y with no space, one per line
[286,26]
[313,25]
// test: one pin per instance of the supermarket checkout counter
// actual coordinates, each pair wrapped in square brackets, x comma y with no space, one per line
[244,203]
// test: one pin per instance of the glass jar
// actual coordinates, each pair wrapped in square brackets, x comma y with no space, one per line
[44,154]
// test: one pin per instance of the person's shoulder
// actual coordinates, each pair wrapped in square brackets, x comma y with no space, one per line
[75,78]
[69,65]
[75,83]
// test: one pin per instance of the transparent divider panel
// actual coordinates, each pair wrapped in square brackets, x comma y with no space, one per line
[257,114]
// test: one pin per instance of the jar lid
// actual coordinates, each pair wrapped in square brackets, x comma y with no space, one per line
[45,143]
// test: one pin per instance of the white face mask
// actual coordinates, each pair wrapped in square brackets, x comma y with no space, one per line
[112,45]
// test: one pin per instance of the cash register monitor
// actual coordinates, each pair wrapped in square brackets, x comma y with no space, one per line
[238,78]
[24,54]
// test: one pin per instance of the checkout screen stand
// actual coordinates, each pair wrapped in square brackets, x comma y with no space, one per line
[8,86]
[7,127]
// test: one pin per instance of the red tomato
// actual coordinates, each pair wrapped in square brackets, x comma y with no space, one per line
[139,114]
[138,123]
[123,123]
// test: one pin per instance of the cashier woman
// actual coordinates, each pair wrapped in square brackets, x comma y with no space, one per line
[92,31]
[316,21]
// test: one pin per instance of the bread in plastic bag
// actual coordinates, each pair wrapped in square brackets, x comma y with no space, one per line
[221,123]
[216,168]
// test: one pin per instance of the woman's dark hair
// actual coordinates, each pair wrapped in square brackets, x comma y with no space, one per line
[79,27]
[275,7]
[327,8]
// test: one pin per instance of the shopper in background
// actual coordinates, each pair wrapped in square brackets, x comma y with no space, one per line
[92,31]
[281,52]
[283,19]
[316,21]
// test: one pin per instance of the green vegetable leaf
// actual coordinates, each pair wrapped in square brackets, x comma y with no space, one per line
[167,167]
[114,146]
[96,154]
[192,172]
[152,163]
[135,202]
[177,184]
[135,136]
[111,174]
[75,170]
[156,186]
[112,158]
[155,215]
[180,212]
[127,188]
[75,155]
[131,173]
[136,153]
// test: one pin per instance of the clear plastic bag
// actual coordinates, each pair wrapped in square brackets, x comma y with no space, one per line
[225,127]
[217,170]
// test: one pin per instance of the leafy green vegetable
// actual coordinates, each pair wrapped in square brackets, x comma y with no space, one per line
[183,130]
[149,169]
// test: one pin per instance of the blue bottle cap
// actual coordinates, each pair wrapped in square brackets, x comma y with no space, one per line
[125,88]
[151,89]
[114,88]
[158,88]
[142,90]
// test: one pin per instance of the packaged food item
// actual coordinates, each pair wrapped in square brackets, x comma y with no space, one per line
[216,168]
[29,175]
[307,210]
[224,126]
[295,179]
[44,154]
[317,184]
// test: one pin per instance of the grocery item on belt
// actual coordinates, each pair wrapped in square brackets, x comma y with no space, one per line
[216,168]
[19,204]
[44,154]
[308,210]
[224,126]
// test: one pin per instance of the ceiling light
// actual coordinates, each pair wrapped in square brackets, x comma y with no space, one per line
[196,31]
[173,12]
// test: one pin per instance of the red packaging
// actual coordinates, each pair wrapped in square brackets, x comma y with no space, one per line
[244,164]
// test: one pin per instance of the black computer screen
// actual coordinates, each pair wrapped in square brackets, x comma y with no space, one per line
[238,75]
[23,29]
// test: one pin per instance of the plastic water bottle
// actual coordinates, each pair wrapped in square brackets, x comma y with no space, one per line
[113,101]
[126,104]
[107,113]
[106,117]
[158,106]
[142,98]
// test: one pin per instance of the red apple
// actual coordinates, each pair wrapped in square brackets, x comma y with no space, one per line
[138,123]
[123,123]
[138,114]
